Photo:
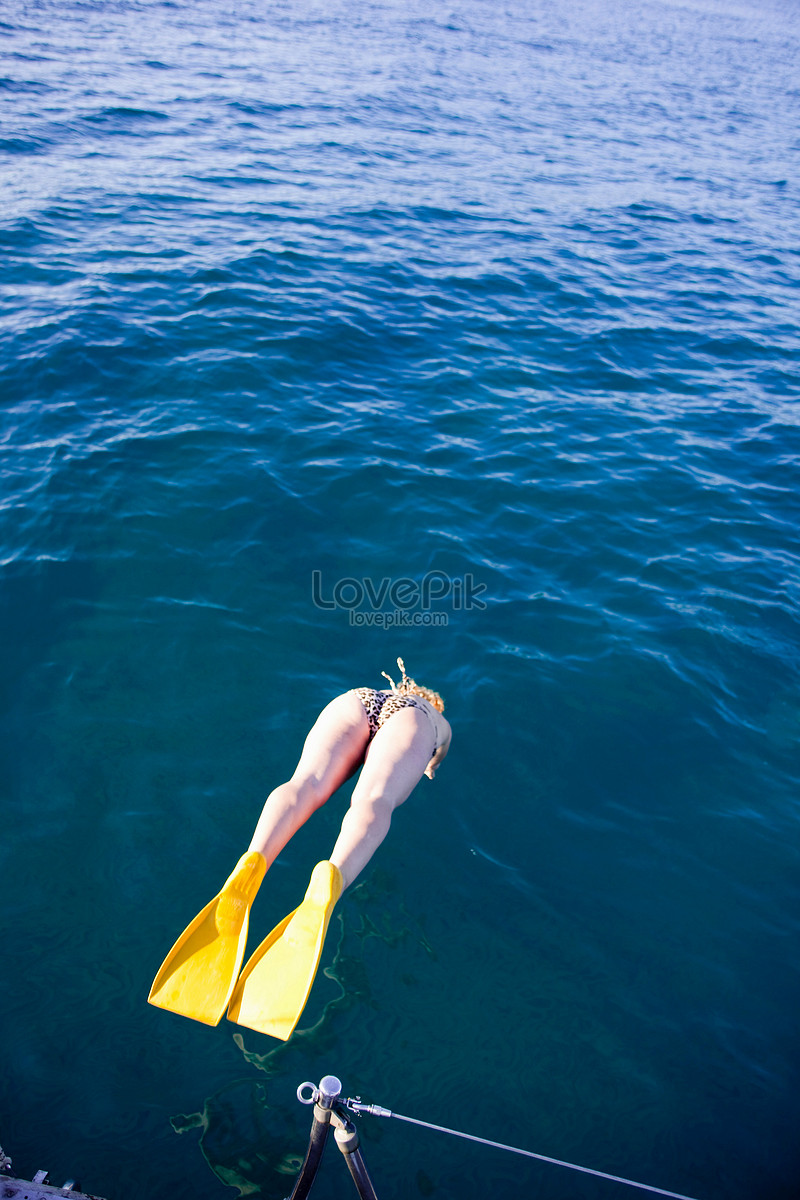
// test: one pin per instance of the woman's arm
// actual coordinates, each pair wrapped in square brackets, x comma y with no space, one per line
[440,753]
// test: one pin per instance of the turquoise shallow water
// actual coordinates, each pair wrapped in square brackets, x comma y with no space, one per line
[501,297]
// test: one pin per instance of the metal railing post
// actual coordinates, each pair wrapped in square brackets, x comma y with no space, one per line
[346,1136]
[329,1090]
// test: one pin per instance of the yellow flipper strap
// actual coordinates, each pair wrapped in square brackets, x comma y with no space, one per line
[273,988]
[199,973]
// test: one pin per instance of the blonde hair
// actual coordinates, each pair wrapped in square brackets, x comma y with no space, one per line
[410,687]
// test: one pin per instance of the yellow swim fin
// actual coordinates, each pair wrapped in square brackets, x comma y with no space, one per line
[274,986]
[198,975]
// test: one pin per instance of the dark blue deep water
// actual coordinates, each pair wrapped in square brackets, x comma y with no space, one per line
[499,299]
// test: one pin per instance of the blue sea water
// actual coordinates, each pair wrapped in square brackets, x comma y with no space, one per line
[499,299]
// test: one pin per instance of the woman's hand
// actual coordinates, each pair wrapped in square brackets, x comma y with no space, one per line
[440,753]
[430,770]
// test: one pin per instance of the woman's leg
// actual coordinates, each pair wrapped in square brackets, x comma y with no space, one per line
[332,752]
[395,762]
[274,986]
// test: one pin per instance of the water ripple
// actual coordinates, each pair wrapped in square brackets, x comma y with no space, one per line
[375,291]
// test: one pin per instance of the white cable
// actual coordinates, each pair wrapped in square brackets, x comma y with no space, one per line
[376,1110]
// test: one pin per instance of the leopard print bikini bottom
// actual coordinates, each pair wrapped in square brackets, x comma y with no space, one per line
[380,706]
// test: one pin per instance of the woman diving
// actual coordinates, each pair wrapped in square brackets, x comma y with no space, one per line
[396,736]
